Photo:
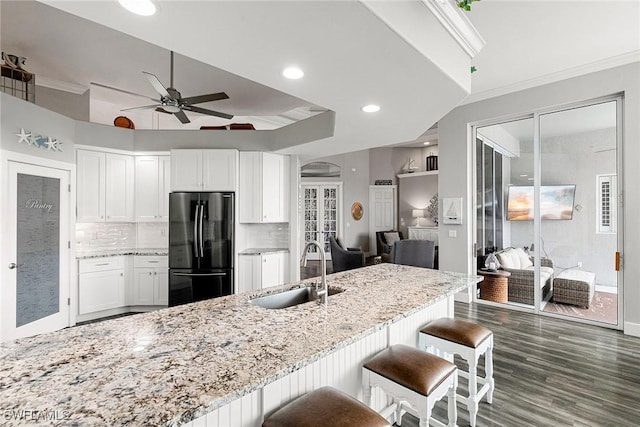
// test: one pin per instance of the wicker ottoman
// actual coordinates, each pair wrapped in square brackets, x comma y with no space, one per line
[574,287]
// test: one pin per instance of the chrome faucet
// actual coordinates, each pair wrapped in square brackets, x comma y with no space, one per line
[324,291]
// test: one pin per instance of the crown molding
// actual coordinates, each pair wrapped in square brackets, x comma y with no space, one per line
[456,23]
[612,62]
[60,85]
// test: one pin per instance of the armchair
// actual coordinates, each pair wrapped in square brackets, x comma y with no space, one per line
[384,248]
[345,259]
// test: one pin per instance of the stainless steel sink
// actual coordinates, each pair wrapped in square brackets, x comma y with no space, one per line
[290,298]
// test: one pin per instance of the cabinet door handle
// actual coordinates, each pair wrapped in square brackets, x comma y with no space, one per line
[104,263]
[149,273]
[121,274]
[155,273]
[152,262]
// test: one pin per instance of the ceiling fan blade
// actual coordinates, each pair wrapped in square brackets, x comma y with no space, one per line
[124,91]
[204,98]
[143,107]
[155,82]
[182,117]
[162,110]
[208,112]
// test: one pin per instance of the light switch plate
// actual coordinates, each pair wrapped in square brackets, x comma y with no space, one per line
[453,233]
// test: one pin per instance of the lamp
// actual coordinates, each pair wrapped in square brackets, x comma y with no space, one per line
[417,214]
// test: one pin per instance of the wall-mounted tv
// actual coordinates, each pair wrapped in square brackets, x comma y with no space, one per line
[556,202]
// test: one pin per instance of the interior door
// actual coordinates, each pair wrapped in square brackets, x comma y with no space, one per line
[321,216]
[382,213]
[35,296]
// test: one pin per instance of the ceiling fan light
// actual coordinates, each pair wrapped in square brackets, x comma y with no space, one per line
[171,108]
[139,7]
[293,73]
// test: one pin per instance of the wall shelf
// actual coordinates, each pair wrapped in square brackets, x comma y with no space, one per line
[420,173]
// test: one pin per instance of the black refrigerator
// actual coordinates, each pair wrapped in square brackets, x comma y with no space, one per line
[200,246]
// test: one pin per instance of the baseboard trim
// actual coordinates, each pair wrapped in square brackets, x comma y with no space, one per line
[463,296]
[632,329]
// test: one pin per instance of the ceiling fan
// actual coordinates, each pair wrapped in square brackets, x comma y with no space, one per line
[171,102]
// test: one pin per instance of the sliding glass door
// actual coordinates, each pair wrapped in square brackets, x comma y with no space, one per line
[578,209]
[547,197]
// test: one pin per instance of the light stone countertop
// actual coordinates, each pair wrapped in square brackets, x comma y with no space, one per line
[174,365]
[120,252]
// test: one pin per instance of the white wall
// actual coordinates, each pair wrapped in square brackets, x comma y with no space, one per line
[456,178]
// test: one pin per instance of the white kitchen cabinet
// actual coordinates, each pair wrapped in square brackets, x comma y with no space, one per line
[152,188]
[262,270]
[204,170]
[104,187]
[264,187]
[424,233]
[101,284]
[151,280]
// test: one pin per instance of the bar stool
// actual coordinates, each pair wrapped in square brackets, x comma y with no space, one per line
[446,337]
[414,380]
[323,407]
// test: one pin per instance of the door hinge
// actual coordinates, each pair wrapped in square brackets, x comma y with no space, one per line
[68,301]
[69,244]
[69,188]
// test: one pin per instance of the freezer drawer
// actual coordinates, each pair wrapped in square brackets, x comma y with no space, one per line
[187,286]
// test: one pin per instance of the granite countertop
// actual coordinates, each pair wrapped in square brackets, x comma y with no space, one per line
[119,252]
[260,251]
[174,365]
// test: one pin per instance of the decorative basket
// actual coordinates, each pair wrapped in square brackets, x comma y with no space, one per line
[496,290]
[432,162]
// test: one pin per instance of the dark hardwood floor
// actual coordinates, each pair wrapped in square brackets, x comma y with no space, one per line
[552,372]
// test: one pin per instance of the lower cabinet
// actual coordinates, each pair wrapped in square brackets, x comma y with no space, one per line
[262,270]
[101,284]
[150,281]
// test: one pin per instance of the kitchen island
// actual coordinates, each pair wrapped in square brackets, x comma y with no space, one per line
[223,361]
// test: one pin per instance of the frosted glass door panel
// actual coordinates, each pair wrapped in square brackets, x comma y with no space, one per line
[38,248]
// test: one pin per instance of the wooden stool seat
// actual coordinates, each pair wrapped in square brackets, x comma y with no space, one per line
[323,407]
[414,380]
[445,337]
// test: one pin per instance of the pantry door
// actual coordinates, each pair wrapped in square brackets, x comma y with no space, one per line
[35,292]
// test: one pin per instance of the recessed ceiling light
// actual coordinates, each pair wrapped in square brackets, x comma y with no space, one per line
[529,179]
[426,143]
[139,7]
[293,73]
[524,175]
[371,108]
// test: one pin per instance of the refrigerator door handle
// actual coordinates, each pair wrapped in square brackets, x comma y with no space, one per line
[199,274]
[195,231]
[201,236]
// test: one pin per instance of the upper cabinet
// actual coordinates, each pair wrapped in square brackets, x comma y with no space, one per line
[264,187]
[105,187]
[152,188]
[204,170]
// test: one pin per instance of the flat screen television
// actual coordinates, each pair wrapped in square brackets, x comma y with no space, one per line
[556,202]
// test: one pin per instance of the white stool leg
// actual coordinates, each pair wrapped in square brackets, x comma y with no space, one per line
[398,411]
[366,389]
[472,403]
[488,367]
[452,413]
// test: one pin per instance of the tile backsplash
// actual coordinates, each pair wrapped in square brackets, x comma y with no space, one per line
[266,235]
[121,235]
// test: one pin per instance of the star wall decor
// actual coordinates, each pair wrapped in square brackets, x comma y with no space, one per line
[38,141]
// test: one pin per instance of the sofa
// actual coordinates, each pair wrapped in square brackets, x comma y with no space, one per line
[521,282]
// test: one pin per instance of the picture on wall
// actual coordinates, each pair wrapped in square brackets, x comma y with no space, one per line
[452,208]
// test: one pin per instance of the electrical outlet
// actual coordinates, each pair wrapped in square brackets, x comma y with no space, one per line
[579,264]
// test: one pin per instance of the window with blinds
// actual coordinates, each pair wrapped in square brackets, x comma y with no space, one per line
[606,199]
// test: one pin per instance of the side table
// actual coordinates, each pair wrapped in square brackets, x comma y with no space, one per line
[495,286]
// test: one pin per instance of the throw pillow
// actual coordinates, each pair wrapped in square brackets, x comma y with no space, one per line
[391,237]
[524,258]
[515,260]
